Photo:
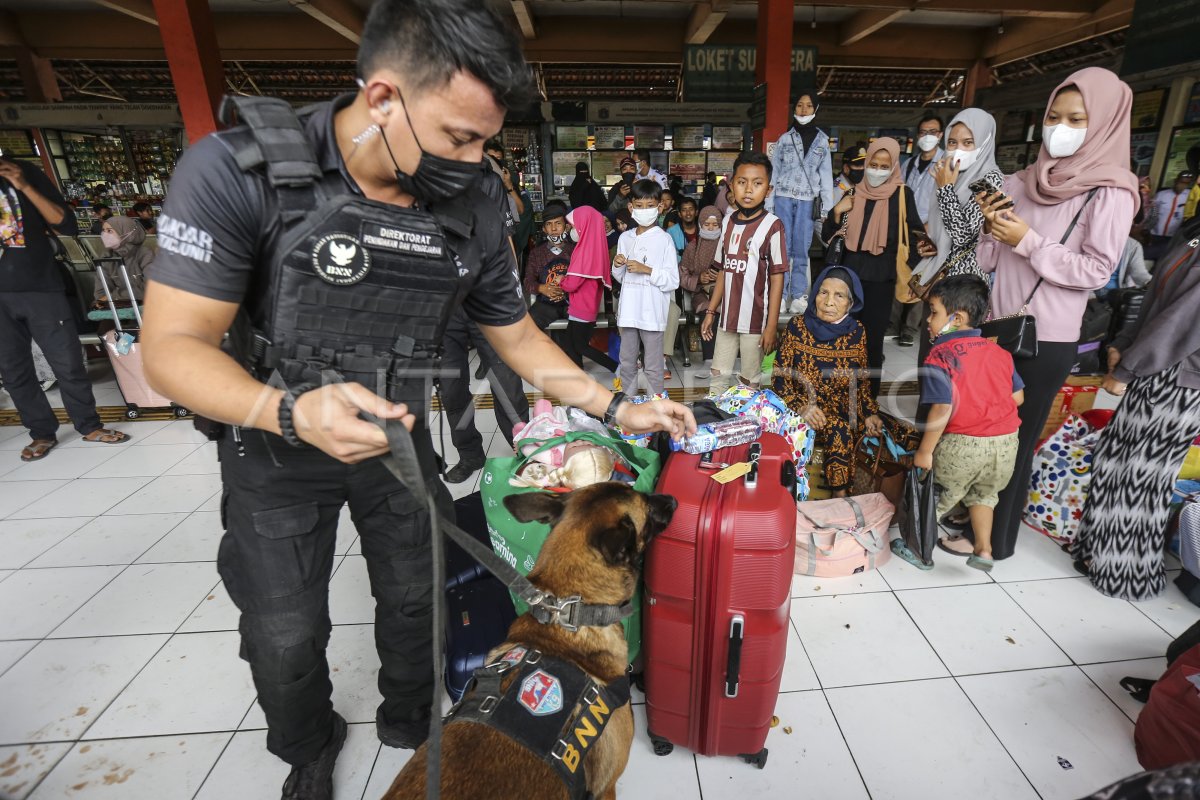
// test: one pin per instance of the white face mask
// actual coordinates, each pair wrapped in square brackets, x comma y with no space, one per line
[710,235]
[965,158]
[804,120]
[575,235]
[1062,140]
[877,177]
[928,142]
[644,217]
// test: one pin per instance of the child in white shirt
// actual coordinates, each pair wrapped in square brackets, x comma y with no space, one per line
[647,266]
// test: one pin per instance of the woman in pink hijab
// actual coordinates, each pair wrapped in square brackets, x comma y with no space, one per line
[588,275]
[1043,264]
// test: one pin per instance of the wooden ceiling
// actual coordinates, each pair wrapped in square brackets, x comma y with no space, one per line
[866,47]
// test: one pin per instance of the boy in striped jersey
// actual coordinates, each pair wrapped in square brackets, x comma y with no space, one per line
[752,258]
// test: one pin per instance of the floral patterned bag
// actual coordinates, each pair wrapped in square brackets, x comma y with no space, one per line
[1062,472]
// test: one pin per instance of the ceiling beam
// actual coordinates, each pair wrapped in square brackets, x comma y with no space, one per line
[142,10]
[524,16]
[864,23]
[337,15]
[706,16]
[1052,9]
[1023,38]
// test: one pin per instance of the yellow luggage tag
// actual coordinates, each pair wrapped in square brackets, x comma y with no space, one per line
[732,472]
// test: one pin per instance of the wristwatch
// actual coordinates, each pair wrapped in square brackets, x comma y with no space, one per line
[287,403]
[610,416]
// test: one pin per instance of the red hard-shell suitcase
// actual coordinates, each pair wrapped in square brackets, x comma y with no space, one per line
[718,594]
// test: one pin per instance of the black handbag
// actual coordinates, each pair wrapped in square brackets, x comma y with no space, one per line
[918,519]
[1017,333]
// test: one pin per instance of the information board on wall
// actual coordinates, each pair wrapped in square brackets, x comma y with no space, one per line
[517,138]
[688,137]
[1192,114]
[722,163]
[1147,108]
[571,137]
[1141,151]
[727,137]
[725,73]
[653,137]
[16,143]
[1182,140]
[563,163]
[689,166]
[610,137]
[606,163]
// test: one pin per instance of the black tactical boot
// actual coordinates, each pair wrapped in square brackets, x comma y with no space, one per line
[314,780]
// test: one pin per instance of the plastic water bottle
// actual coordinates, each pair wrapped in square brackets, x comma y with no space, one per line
[714,436]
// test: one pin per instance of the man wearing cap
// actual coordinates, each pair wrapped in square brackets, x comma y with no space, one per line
[854,164]
[618,195]
[1168,207]
[585,191]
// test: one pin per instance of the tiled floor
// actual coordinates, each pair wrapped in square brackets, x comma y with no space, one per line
[119,674]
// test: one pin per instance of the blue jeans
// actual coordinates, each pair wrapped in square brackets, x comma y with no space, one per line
[798,225]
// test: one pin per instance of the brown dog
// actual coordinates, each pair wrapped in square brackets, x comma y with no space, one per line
[594,551]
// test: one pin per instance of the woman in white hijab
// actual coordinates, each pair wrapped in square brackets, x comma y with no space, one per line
[955,222]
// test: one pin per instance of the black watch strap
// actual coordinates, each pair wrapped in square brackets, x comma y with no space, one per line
[287,405]
[610,416]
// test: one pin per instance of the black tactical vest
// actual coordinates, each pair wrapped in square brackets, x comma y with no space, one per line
[356,290]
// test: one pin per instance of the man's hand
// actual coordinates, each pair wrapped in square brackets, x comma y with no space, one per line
[506,176]
[706,327]
[923,459]
[550,292]
[945,173]
[770,336]
[657,415]
[1008,228]
[14,175]
[1114,386]
[327,418]
[926,248]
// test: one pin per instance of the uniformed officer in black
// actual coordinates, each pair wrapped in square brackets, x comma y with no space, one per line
[437,77]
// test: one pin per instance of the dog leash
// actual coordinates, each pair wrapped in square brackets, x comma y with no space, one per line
[571,613]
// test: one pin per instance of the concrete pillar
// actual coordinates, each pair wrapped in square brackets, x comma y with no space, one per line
[773,66]
[978,77]
[1177,103]
[195,61]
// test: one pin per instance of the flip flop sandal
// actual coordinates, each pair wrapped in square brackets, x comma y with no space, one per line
[1138,688]
[902,550]
[980,563]
[38,449]
[942,546]
[107,436]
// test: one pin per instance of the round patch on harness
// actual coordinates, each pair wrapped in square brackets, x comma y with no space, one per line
[541,694]
[341,259]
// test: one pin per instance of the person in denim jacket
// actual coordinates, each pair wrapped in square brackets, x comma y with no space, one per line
[803,176]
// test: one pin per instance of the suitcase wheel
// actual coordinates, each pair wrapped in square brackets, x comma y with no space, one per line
[758,759]
[132,413]
[181,412]
[661,746]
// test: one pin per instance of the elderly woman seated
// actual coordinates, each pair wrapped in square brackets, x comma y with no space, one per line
[821,373]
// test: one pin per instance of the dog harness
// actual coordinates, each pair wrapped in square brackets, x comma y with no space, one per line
[552,708]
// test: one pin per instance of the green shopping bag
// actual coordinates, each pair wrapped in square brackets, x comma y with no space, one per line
[519,543]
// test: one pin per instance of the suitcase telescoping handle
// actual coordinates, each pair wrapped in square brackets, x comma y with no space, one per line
[737,628]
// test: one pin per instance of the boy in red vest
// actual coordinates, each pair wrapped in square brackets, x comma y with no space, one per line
[972,391]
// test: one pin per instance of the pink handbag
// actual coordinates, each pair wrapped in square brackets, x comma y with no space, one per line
[842,536]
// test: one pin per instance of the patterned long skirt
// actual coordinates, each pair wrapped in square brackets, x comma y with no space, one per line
[1134,469]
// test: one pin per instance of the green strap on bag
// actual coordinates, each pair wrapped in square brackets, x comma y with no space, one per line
[519,543]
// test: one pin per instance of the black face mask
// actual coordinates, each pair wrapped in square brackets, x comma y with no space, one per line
[855,177]
[628,177]
[435,178]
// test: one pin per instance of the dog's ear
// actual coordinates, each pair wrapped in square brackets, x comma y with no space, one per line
[545,507]
[618,544]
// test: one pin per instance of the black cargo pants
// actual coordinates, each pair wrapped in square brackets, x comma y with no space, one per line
[280,512]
